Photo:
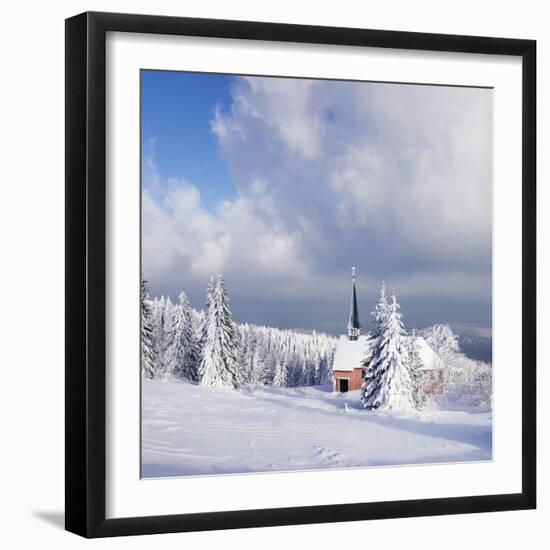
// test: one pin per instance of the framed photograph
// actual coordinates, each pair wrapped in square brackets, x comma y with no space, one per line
[300,274]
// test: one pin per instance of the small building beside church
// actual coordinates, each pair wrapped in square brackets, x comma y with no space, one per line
[347,368]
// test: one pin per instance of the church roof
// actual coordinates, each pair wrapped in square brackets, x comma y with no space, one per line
[350,353]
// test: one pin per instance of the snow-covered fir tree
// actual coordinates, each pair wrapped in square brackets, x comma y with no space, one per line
[388,383]
[183,353]
[309,374]
[260,371]
[162,322]
[414,364]
[147,345]
[192,357]
[381,312]
[159,334]
[321,358]
[197,324]
[379,318]
[280,379]
[324,369]
[218,364]
[247,346]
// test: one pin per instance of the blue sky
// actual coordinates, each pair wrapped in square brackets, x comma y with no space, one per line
[283,184]
[176,109]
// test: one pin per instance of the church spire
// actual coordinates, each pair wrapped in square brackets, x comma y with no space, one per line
[354,327]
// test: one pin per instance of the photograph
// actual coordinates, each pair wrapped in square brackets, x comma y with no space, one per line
[316,274]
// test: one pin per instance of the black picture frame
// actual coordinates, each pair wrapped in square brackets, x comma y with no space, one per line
[86,274]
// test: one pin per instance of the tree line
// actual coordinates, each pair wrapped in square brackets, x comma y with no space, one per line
[209,348]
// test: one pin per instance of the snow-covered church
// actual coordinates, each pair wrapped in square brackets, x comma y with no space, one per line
[347,371]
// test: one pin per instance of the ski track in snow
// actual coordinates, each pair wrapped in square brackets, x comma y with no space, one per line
[193,430]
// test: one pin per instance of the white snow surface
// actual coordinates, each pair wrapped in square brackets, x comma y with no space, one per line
[194,430]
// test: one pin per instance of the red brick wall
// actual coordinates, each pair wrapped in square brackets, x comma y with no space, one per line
[355,380]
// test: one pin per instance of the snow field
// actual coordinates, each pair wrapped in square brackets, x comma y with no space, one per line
[189,429]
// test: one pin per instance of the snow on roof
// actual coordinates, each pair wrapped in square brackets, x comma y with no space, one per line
[350,353]
[430,359]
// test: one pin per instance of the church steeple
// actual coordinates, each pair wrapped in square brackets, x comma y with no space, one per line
[354,327]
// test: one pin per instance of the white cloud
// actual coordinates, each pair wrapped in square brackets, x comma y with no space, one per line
[412,163]
[393,178]
[279,110]
[183,243]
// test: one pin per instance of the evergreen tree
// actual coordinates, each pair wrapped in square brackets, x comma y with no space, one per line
[381,312]
[281,374]
[162,318]
[247,351]
[241,374]
[388,384]
[147,347]
[242,356]
[309,376]
[197,324]
[182,357]
[169,316]
[379,318]
[296,375]
[260,368]
[219,352]
[324,369]
[159,336]
[414,364]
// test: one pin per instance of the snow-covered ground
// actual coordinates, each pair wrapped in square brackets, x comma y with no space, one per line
[194,430]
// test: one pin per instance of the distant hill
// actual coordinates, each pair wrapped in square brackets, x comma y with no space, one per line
[475,342]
